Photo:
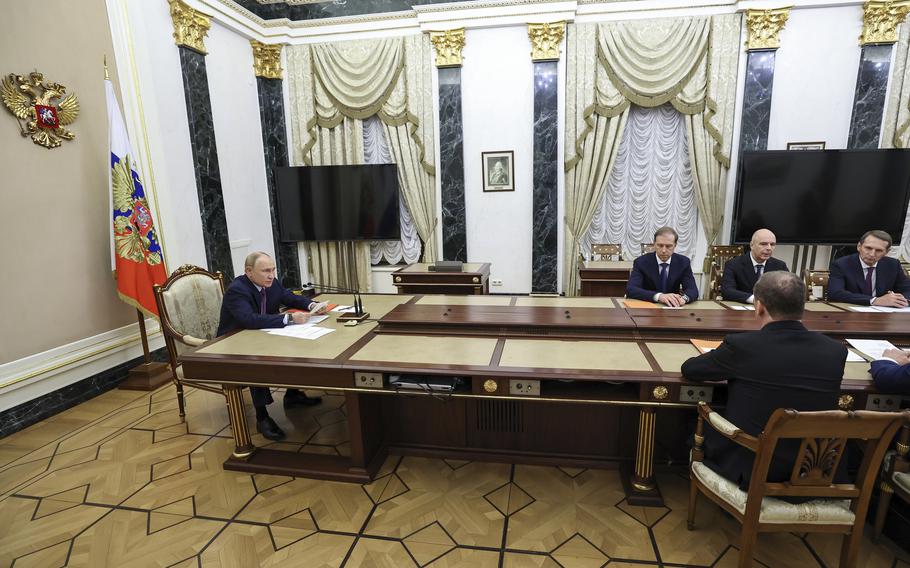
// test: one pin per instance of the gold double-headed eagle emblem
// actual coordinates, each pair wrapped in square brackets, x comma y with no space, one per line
[34,103]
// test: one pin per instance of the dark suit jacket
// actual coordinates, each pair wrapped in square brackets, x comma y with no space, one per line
[781,366]
[644,281]
[240,307]
[891,378]
[847,281]
[739,276]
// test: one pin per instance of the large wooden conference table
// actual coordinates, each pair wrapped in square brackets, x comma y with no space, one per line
[571,382]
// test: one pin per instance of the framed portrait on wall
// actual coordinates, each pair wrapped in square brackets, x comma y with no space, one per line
[498,171]
[805,145]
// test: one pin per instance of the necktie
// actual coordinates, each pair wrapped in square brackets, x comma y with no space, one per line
[758,269]
[663,277]
[262,301]
[869,270]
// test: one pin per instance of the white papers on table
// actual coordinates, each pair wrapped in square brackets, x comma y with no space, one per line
[672,307]
[301,331]
[853,357]
[879,309]
[343,309]
[313,320]
[743,308]
[871,347]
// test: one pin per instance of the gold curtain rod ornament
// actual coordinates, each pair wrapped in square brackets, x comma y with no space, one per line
[880,20]
[764,27]
[545,40]
[33,101]
[448,44]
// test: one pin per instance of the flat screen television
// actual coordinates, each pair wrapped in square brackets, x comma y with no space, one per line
[338,203]
[826,197]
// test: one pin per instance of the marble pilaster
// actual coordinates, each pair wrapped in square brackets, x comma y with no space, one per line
[544,209]
[756,115]
[275,147]
[869,100]
[205,162]
[451,162]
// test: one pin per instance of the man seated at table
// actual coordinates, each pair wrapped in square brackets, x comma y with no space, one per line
[663,276]
[251,302]
[741,273]
[869,278]
[783,365]
[891,372]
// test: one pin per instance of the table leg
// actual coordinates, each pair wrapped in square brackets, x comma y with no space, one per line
[244,447]
[642,489]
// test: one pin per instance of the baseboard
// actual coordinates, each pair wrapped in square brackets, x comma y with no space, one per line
[37,375]
[42,407]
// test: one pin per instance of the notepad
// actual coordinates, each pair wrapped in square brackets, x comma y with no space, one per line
[629,303]
[301,331]
[705,345]
[871,347]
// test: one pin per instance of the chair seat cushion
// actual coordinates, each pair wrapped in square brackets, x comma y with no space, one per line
[902,480]
[773,510]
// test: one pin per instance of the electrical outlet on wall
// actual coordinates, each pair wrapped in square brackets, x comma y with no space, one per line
[496,281]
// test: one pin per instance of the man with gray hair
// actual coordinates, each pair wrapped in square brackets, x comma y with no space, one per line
[252,301]
[783,365]
[868,277]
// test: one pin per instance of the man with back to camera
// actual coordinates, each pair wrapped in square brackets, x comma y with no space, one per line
[783,365]
[869,278]
[663,276]
[251,302]
[741,273]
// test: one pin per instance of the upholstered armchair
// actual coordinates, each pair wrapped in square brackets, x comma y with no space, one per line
[189,304]
[829,507]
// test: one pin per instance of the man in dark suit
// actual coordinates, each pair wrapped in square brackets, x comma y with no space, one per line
[869,278]
[783,365]
[663,276]
[742,272]
[891,373]
[251,302]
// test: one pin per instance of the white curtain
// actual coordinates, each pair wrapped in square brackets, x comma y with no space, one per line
[650,185]
[689,63]
[376,151]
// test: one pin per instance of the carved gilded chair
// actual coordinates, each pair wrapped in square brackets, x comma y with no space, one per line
[189,305]
[816,278]
[606,252]
[895,479]
[647,247]
[906,267]
[830,507]
[716,258]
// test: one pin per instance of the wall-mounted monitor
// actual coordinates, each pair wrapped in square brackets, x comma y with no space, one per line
[338,203]
[826,197]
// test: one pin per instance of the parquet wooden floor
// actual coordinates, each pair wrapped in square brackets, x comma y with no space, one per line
[120,481]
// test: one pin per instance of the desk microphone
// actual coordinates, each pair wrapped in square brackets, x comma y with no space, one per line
[358,314]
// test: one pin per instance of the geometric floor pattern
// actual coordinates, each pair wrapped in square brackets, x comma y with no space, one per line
[120,481]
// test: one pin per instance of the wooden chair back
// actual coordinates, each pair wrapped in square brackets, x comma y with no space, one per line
[895,479]
[823,439]
[720,254]
[647,247]
[189,305]
[816,278]
[606,252]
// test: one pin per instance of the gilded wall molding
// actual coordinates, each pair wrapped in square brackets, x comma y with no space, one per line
[545,40]
[765,26]
[190,26]
[448,44]
[880,20]
[267,59]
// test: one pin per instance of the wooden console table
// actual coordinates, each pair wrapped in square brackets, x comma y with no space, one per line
[604,277]
[418,279]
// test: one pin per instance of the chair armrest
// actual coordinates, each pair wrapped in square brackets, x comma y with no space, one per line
[192,341]
[725,428]
[899,462]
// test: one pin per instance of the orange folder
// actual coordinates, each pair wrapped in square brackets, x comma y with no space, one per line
[704,345]
[639,304]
